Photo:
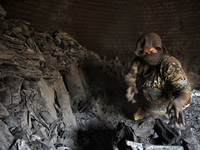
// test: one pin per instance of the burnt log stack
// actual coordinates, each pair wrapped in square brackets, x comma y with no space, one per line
[44,95]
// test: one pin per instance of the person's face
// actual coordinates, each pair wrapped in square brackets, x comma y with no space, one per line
[149,50]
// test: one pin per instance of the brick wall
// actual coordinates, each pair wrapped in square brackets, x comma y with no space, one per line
[112,27]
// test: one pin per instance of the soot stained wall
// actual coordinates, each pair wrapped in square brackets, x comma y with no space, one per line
[113,27]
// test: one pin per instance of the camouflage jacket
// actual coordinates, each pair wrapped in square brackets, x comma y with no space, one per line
[170,80]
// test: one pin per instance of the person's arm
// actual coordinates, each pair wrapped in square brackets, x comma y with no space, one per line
[177,79]
[183,98]
[130,80]
[177,104]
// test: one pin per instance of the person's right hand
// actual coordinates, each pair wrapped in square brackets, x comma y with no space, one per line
[177,105]
[131,91]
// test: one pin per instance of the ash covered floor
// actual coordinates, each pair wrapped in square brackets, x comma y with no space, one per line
[55,94]
[106,127]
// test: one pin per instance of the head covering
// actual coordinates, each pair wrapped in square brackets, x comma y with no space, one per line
[149,40]
[154,59]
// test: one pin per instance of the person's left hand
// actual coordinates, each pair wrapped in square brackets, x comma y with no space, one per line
[131,91]
[177,107]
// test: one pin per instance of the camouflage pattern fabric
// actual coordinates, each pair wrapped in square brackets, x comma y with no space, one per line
[169,82]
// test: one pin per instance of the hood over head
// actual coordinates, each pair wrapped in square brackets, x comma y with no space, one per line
[149,40]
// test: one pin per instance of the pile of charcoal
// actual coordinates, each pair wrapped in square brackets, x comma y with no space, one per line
[51,88]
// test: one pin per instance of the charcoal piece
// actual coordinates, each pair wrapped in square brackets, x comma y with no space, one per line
[18,133]
[5,93]
[44,145]
[38,143]
[3,112]
[3,26]
[20,144]
[187,136]
[37,130]
[65,148]
[13,43]
[8,39]
[123,133]
[11,123]
[58,53]
[64,45]
[36,102]
[6,54]
[45,115]
[74,85]
[163,147]
[8,32]
[166,135]
[6,138]
[67,138]
[38,51]
[39,99]
[14,127]
[141,146]
[188,140]
[9,68]
[27,30]
[11,92]
[192,146]
[45,42]
[2,13]
[17,32]
[145,129]
[30,43]
[62,99]
[73,81]
[84,82]
[33,74]
[135,145]
[15,84]
[23,119]
[47,94]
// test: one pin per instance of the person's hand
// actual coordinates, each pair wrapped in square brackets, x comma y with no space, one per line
[176,105]
[131,91]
